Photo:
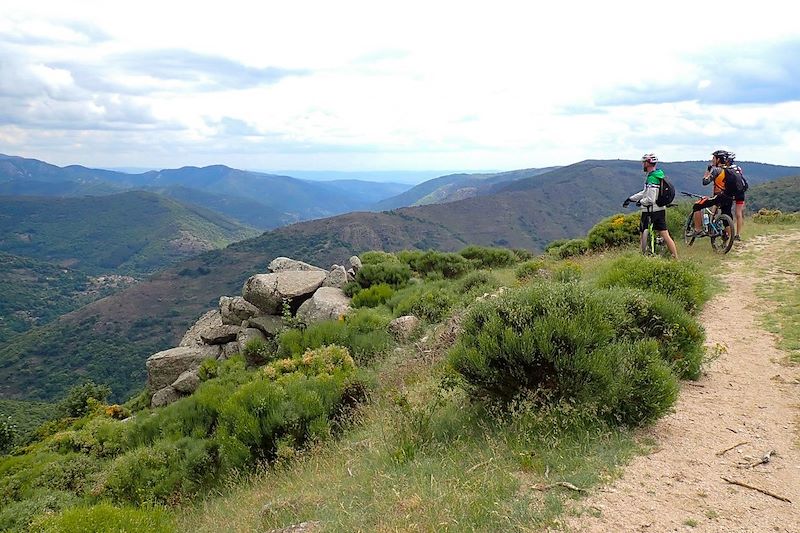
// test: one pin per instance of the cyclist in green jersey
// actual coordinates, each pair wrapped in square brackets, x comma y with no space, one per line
[647,199]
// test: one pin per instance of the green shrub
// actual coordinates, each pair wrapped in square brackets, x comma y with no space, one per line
[375,257]
[476,282]
[616,230]
[258,351]
[163,472]
[394,274]
[75,404]
[522,254]
[571,248]
[485,257]
[356,333]
[106,518]
[351,288]
[552,246]
[570,341]
[680,280]
[18,515]
[8,434]
[429,301]
[373,296]
[71,473]
[529,269]
[432,263]
[567,272]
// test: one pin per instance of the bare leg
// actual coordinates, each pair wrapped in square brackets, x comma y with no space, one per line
[739,218]
[669,242]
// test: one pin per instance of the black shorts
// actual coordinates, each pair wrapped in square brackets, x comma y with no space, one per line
[725,204]
[659,219]
[739,197]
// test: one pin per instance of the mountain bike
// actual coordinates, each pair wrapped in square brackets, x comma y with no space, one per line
[652,243]
[716,225]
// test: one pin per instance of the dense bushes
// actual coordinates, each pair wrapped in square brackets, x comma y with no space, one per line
[395,274]
[575,342]
[484,257]
[680,280]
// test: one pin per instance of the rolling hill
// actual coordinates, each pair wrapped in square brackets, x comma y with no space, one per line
[132,233]
[264,201]
[783,194]
[110,339]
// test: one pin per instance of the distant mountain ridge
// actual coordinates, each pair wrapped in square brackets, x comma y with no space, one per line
[264,201]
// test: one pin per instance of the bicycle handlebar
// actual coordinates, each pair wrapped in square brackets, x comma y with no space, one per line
[692,195]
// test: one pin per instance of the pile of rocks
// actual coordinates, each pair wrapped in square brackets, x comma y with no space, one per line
[312,294]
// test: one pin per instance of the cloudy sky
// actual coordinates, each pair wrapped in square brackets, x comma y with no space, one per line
[409,85]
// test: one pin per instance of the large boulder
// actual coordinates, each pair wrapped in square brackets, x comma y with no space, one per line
[235,309]
[163,368]
[220,334]
[327,303]
[270,325]
[285,264]
[267,291]
[164,396]
[337,277]
[229,350]
[187,382]
[204,324]
[355,264]
[403,327]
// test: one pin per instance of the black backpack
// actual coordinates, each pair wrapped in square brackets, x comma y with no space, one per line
[666,192]
[736,179]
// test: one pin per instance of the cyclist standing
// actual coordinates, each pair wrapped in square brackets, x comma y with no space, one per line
[647,199]
[723,189]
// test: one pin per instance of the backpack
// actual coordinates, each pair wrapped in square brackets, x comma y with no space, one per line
[736,179]
[666,192]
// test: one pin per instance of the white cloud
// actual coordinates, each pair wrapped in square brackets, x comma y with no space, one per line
[375,85]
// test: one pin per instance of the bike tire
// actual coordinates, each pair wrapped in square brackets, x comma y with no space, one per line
[719,242]
[688,230]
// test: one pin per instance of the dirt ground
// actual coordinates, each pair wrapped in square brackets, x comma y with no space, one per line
[745,407]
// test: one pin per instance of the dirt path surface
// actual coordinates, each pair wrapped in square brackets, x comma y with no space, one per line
[747,403]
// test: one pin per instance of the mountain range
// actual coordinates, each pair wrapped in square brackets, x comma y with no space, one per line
[109,339]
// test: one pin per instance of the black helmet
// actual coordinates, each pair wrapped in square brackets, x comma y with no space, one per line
[722,155]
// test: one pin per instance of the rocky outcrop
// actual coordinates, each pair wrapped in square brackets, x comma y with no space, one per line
[316,295]
[284,264]
[205,323]
[327,303]
[163,368]
[267,291]
[235,310]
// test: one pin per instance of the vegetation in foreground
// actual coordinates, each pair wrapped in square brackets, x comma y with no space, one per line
[349,427]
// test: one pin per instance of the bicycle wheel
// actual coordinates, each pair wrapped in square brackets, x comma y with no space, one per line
[722,239]
[688,230]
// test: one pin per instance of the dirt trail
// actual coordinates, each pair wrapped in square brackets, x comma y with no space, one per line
[747,396]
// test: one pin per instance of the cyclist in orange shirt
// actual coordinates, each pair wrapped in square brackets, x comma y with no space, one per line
[723,189]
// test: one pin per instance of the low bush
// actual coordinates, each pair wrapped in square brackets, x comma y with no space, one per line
[476,283]
[485,257]
[429,301]
[570,248]
[105,517]
[433,263]
[529,269]
[775,216]
[569,341]
[395,274]
[18,516]
[680,280]
[373,296]
[616,230]
[567,272]
[374,257]
[75,404]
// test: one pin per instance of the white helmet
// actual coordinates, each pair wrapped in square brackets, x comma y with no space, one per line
[650,158]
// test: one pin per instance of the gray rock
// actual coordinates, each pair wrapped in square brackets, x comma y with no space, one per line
[234,309]
[351,275]
[355,263]
[187,382]
[164,396]
[208,321]
[267,291]
[245,336]
[229,350]
[285,264]
[403,327]
[270,325]
[327,303]
[337,277]
[163,368]
[220,334]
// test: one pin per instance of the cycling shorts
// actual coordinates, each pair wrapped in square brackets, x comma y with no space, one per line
[725,204]
[659,219]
